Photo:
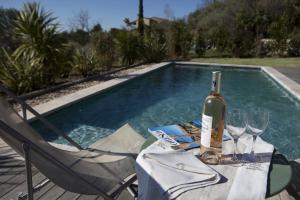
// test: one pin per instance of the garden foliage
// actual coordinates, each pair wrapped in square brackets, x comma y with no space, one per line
[35,54]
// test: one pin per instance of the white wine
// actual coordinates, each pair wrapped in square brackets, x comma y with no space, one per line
[213,115]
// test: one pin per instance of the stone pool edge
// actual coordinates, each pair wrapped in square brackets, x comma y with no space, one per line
[288,84]
[219,65]
[69,99]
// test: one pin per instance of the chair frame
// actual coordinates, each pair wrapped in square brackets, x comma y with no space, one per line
[28,146]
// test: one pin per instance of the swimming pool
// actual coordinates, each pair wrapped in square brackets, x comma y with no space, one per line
[175,94]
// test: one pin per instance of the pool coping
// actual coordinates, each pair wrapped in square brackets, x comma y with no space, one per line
[69,99]
[288,84]
[219,65]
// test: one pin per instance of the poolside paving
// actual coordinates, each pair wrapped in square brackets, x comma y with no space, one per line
[291,72]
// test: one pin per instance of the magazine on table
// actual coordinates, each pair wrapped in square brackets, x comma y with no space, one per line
[184,135]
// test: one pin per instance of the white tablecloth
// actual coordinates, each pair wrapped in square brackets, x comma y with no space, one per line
[242,181]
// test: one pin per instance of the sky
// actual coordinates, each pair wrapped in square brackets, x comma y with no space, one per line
[109,13]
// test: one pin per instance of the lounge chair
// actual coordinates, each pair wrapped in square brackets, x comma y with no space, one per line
[106,168]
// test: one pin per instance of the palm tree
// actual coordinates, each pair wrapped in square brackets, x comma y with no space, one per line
[41,44]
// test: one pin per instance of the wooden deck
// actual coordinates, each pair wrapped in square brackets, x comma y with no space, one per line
[13,180]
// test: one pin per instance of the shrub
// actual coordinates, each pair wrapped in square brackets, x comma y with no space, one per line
[179,39]
[294,46]
[104,46]
[66,63]
[129,44]
[154,47]
[215,53]
[18,74]
[84,62]
[279,32]
[79,36]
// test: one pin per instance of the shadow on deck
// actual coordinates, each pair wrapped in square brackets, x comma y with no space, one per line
[13,181]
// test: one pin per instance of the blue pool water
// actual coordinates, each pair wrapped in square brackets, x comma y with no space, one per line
[175,94]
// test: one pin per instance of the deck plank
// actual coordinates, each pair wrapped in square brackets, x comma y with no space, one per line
[12,166]
[68,195]
[22,188]
[43,190]
[54,193]
[125,195]
[13,181]
[9,172]
[88,197]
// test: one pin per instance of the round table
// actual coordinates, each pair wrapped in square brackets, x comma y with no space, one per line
[280,173]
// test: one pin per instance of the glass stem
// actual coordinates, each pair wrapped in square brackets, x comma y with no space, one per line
[235,149]
[253,145]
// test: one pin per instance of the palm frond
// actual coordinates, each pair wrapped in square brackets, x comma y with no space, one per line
[41,46]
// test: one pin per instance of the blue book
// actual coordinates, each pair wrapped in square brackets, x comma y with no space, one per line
[186,135]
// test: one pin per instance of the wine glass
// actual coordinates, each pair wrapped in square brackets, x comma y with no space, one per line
[257,122]
[236,125]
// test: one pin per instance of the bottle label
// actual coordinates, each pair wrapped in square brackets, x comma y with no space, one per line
[206,130]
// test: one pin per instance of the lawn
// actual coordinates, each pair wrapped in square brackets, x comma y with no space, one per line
[272,62]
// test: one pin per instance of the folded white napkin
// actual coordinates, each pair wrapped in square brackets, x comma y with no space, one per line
[174,172]
[251,179]
[161,175]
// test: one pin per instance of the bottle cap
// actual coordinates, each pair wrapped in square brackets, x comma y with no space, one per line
[216,82]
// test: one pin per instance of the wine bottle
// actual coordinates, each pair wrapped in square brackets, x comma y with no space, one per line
[213,115]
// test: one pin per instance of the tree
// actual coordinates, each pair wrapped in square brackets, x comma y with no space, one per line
[41,44]
[168,11]
[126,20]
[278,30]
[237,28]
[200,45]
[179,39]
[80,21]
[8,39]
[242,33]
[80,28]
[141,18]
[96,28]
